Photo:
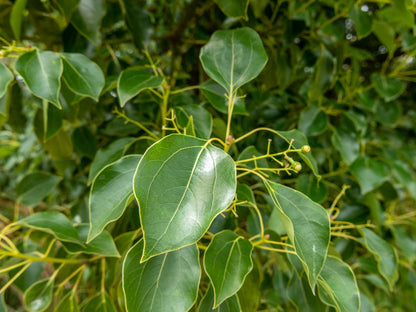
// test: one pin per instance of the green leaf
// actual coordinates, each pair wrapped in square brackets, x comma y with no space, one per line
[87,19]
[39,296]
[301,296]
[363,22]
[84,142]
[388,112]
[313,121]
[389,88]
[52,120]
[233,57]
[386,34]
[67,7]
[338,286]
[53,223]
[108,155]
[111,193]
[42,73]
[346,143]
[405,175]
[307,226]
[139,23]
[405,242]
[369,172]
[3,307]
[227,262]
[36,186]
[6,77]
[100,303]
[215,94]
[165,283]
[16,17]
[82,75]
[311,187]
[323,74]
[234,8]
[201,117]
[249,294]
[229,305]
[133,81]
[181,184]
[68,303]
[385,255]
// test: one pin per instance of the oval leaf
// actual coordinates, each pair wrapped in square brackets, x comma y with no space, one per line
[111,193]
[307,225]
[82,75]
[39,296]
[181,184]
[165,283]
[6,77]
[338,286]
[35,186]
[133,81]
[207,303]
[41,72]
[227,262]
[233,57]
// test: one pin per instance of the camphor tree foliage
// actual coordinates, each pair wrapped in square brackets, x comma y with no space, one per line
[207,155]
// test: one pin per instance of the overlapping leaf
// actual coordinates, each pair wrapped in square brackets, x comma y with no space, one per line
[6,77]
[36,186]
[229,305]
[38,297]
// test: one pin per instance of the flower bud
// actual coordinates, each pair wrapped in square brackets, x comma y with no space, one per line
[296,166]
[306,149]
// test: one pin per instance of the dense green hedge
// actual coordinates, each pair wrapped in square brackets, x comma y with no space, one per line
[188,155]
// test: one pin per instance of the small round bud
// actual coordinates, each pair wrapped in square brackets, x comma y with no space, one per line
[306,149]
[230,139]
[296,166]
[267,236]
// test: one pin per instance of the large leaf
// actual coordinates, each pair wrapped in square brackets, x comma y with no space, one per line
[39,296]
[165,283]
[36,186]
[369,172]
[6,77]
[234,8]
[111,192]
[53,223]
[87,19]
[307,226]
[41,72]
[82,75]
[229,305]
[181,184]
[385,255]
[133,81]
[233,57]
[227,262]
[338,286]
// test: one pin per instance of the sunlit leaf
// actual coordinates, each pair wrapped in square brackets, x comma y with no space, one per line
[39,296]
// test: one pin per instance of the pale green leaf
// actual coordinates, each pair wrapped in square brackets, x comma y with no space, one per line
[39,296]
[36,186]
[363,21]
[6,77]
[229,305]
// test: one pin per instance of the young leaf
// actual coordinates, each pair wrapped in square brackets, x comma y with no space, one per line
[234,8]
[165,283]
[6,77]
[307,226]
[233,57]
[133,81]
[227,262]
[68,303]
[100,303]
[338,286]
[38,297]
[229,305]
[111,193]
[42,73]
[369,172]
[87,19]
[181,184]
[82,75]
[384,254]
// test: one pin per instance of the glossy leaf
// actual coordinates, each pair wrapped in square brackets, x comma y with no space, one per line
[165,283]
[111,193]
[229,305]
[82,75]
[385,255]
[389,88]
[35,186]
[201,117]
[68,303]
[307,226]
[313,121]
[338,286]
[6,77]
[227,262]
[42,73]
[53,223]
[233,57]
[133,81]
[369,172]
[16,17]
[234,8]
[181,184]
[100,303]
[87,19]
[39,296]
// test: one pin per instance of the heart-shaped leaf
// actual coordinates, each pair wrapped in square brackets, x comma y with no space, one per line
[42,73]
[233,57]
[306,224]
[111,193]
[6,77]
[181,184]
[165,283]
[39,296]
[229,305]
[227,262]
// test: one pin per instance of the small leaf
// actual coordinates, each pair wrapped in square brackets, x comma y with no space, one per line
[234,8]
[347,144]
[201,117]
[384,254]
[36,186]
[369,172]
[68,303]
[6,77]
[311,187]
[313,121]
[39,296]
[41,72]
[100,303]
[82,75]
[52,120]
[181,184]
[53,223]
[87,19]
[363,21]
[133,81]
[165,283]
[227,262]
[111,193]
[233,57]
[16,17]
[229,305]
[306,224]
[338,286]
[389,88]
